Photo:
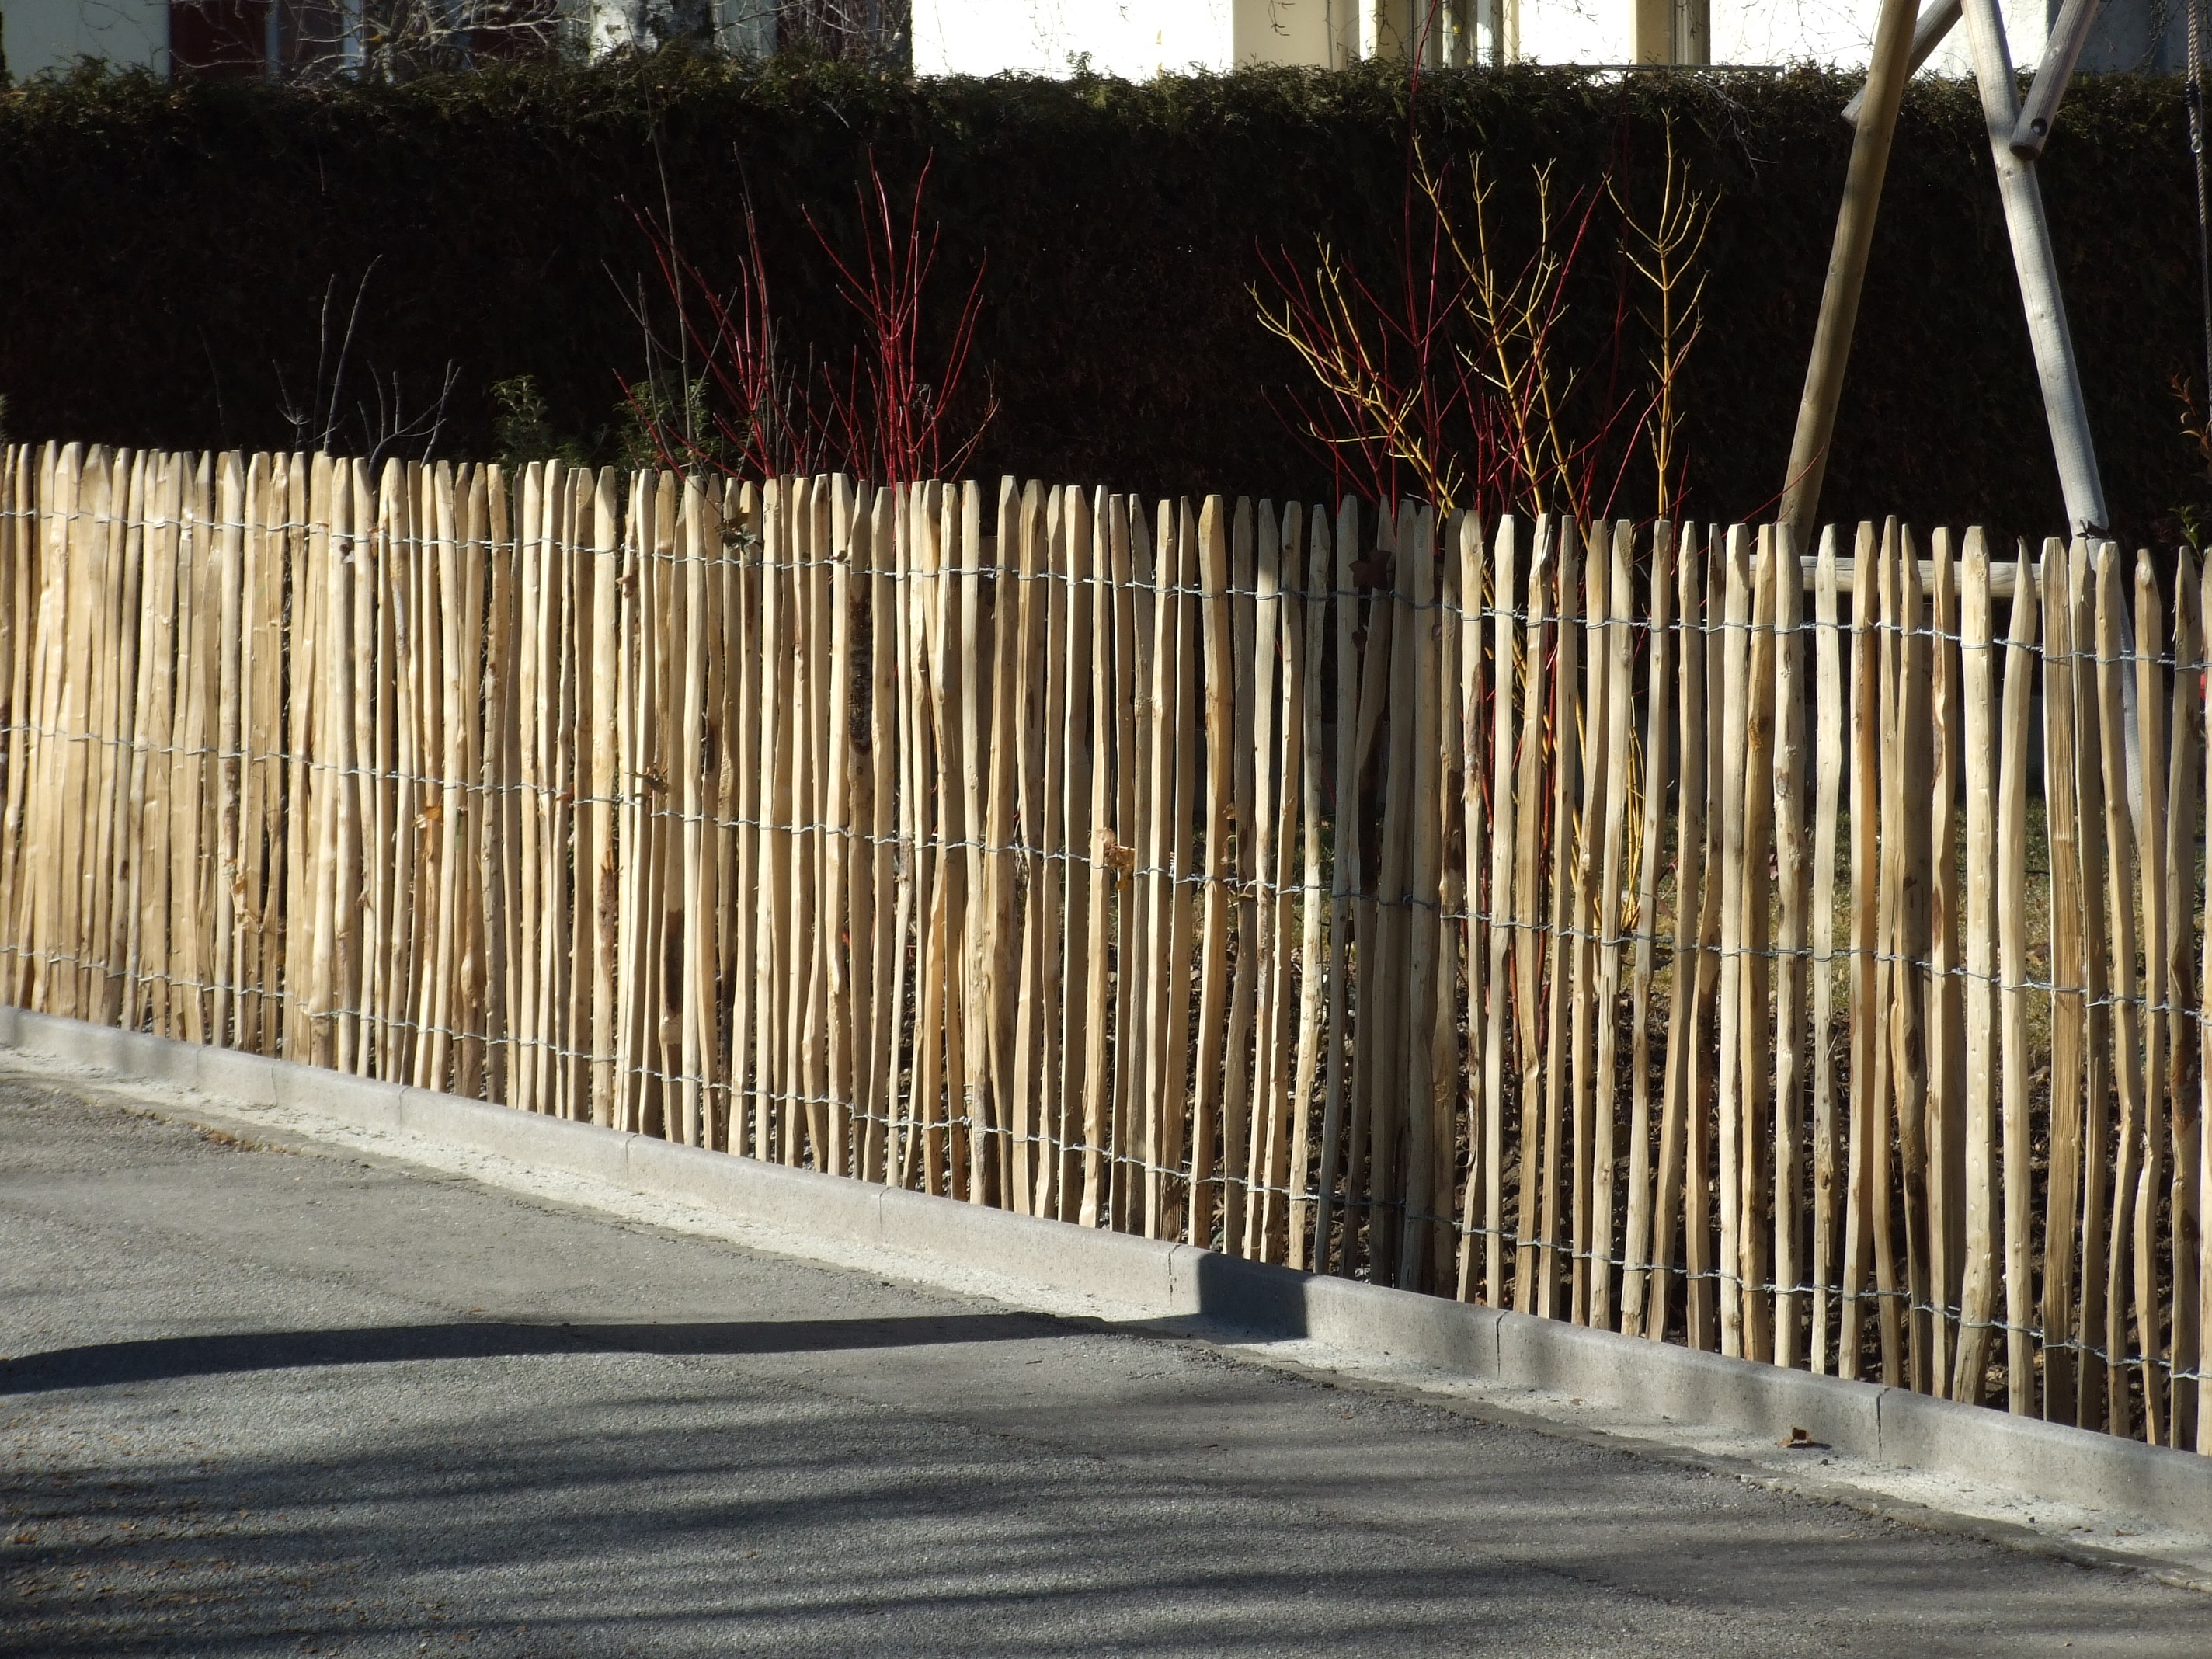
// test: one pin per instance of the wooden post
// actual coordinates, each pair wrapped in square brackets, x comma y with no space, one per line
[2013,993]
[1734,868]
[601,875]
[1847,262]
[1927,33]
[1977,1295]
[2158,988]
[963,511]
[887,956]
[1416,581]
[1218,693]
[2062,1190]
[1679,1101]
[1530,792]
[1314,608]
[2201,1175]
[1245,814]
[1945,1018]
[1828,766]
[2038,270]
[2094,1369]
[1616,650]
[1586,924]
[1130,620]
[1085,1205]
[1173,1014]
[2061,51]
[1469,581]
[1385,1007]
[1907,836]
[1658,715]
[1756,1149]
[2121,1022]
[1031,1020]
[1270,786]
[1794,883]
[1867,1050]
[1506,683]
[2184,827]
[1344,886]
[1370,953]
[1163,959]
[999,989]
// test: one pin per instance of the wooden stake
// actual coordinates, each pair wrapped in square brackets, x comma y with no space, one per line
[1792,876]
[2093,1373]
[1566,774]
[2012,971]
[2122,1020]
[1619,646]
[1636,1250]
[1504,593]
[998,988]
[1589,1095]
[1474,594]
[1868,1052]
[1136,575]
[1947,1145]
[1907,834]
[1735,717]
[1847,262]
[1390,1015]
[2183,909]
[1987,868]
[1219,693]
[1026,700]
[2062,1187]
[606,773]
[1344,888]
[1098,844]
[879,1157]
[1528,902]
[1271,783]
[2202,1175]
[1245,814]
[1315,608]
[1428,1142]
[1827,788]
[1369,919]
[2150,829]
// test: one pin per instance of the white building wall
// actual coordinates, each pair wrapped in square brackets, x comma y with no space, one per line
[1136,39]
[1765,32]
[1578,31]
[51,34]
[1139,38]
[1834,32]
[1290,30]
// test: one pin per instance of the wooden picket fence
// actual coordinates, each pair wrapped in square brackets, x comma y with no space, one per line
[1798,957]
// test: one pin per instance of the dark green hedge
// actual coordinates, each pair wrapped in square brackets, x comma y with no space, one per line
[166,250]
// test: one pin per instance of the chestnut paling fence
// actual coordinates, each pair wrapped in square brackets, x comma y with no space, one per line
[1798,956]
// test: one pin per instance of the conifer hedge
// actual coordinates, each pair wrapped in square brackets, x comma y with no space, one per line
[175,258]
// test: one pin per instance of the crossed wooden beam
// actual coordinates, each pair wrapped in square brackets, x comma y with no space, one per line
[2017,135]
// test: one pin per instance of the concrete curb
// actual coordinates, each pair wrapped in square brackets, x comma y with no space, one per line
[1184,1288]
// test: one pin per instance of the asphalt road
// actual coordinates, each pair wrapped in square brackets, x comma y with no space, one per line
[262,1401]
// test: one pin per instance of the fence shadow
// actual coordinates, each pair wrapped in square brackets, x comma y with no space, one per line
[158,1358]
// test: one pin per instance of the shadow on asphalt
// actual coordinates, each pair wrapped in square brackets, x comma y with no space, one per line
[100,1363]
